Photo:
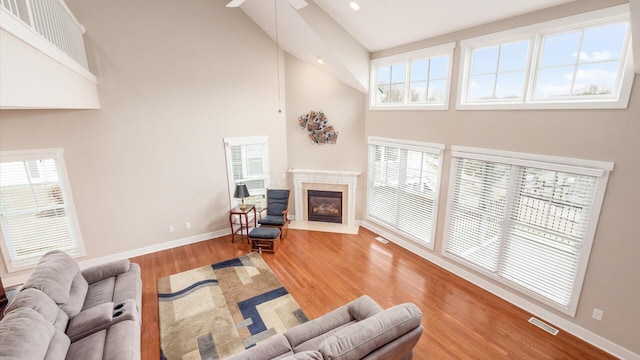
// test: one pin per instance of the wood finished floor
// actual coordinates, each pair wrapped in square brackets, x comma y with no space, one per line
[325,270]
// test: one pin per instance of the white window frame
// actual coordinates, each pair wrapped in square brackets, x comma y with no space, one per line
[597,169]
[265,176]
[407,58]
[12,261]
[535,34]
[423,147]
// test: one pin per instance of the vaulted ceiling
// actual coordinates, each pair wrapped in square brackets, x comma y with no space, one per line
[339,40]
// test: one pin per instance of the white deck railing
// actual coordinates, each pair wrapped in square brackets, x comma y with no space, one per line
[53,20]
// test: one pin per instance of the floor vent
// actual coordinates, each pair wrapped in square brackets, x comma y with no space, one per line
[548,328]
[382,240]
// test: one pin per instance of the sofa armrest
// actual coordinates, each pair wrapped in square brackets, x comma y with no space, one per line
[359,339]
[100,317]
[103,271]
[90,321]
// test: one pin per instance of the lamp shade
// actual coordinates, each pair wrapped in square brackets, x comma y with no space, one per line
[241,191]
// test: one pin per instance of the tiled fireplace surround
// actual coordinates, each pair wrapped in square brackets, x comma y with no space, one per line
[342,181]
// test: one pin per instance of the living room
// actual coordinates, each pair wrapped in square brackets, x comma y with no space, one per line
[175,80]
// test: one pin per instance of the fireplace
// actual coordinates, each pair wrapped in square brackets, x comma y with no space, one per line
[325,206]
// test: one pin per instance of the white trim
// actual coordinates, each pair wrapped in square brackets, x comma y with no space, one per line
[57,155]
[244,140]
[407,58]
[432,148]
[516,157]
[509,296]
[534,34]
[419,146]
[240,141]
[29,36]
[349,178]
[591,168]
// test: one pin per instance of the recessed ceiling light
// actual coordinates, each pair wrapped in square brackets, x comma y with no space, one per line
[354,5]
[321,61]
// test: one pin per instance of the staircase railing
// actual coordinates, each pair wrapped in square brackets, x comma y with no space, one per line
[53,20]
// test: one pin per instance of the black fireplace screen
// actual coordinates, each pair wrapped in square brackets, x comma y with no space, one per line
[324,206]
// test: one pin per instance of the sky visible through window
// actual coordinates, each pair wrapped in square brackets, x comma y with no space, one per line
[427,81]
[577,63]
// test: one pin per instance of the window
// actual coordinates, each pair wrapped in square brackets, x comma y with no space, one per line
[403,186]
[583,61]
[248,163]
[415,80]
[36,208]
[525,220]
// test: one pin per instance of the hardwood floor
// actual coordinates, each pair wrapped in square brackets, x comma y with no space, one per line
[325,270]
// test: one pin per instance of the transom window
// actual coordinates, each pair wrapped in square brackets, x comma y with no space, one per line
[525,220]
[583,61]
[419,79]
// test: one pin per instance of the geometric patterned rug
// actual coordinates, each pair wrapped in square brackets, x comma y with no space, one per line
[222,309]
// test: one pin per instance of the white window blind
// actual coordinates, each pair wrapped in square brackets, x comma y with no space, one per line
[528,223]
[36,208]
[403,187]
[248,163]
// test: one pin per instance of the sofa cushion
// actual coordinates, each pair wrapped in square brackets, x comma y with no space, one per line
[128,285]
[123,341]
[276,347]
[88,348]
[305,355]
[58,346]
[356,341]
[40,302]
[54,275]
[77,294]
[99,292]
[25,334]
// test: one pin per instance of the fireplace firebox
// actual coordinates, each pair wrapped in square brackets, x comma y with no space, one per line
[325,206]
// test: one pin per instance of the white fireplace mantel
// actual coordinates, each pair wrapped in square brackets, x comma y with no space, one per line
[348,178]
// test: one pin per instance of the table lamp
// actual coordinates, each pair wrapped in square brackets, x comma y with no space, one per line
[241,193]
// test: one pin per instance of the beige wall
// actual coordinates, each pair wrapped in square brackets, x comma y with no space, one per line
[311,89]
[611,282]
[175,78]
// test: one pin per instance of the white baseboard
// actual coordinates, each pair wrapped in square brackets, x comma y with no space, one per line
[568,326]
[18,279]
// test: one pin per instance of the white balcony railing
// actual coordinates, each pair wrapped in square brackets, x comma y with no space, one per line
[53,20]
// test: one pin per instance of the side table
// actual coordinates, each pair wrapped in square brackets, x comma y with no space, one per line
[236,211]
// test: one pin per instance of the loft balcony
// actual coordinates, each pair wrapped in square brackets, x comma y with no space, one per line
[43,62]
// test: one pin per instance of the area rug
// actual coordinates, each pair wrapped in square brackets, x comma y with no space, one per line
[222,309]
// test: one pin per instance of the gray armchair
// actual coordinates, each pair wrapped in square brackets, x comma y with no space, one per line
[276,211]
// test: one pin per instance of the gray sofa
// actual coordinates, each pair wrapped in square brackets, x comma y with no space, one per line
[360,329]
[62,312]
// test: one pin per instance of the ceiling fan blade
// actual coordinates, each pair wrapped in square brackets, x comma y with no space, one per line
[298,4]
[235,3]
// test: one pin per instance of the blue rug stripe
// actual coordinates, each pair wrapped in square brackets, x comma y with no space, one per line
[228,263]
[249,310]
[189,289]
